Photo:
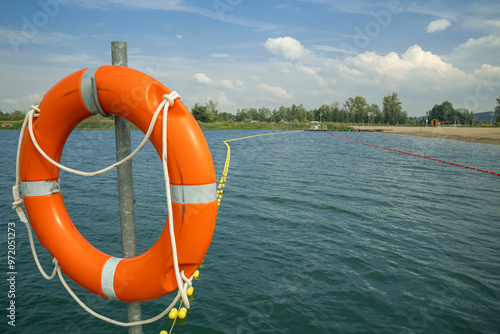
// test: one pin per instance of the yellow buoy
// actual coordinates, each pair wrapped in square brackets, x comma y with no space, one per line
[196,274]
[182,313]
[190,291]
[173,313]
[163,332]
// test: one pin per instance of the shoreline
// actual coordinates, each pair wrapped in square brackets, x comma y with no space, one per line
[485,135]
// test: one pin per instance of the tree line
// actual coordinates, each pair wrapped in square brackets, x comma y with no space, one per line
[445,112]
[16,115]
[354,110]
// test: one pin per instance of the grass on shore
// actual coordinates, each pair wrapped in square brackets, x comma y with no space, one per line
[99,123]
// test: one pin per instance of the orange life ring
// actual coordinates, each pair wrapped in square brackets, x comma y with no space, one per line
[135,96]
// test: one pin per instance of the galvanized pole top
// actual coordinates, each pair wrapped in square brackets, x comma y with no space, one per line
[119,53]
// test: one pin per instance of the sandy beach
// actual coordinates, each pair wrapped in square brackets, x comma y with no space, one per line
[472,134]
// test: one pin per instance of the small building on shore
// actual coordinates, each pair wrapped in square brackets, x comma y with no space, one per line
[435,122]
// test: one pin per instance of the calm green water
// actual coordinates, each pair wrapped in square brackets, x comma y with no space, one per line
[314,235]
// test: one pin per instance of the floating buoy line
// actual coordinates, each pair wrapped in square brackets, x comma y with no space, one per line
[220,190]
[419,156]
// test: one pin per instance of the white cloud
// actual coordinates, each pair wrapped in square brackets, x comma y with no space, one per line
[416,67]
[10,101]
[224,101]
[21,103]
[475,52]
[224,83]
[220,55]
[492,41]
[328,48]
[202,78]
[178,36]
[227,83]
[276,91]
[288,47]
[36,98]
[493,23]
[438,25]
[489,72]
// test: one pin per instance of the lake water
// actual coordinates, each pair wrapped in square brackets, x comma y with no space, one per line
[315,234]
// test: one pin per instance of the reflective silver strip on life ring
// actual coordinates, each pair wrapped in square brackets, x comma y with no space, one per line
[108,277]
[40,188]
[88,91]
[204,193]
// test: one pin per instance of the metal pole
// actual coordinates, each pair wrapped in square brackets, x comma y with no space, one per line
[125,186]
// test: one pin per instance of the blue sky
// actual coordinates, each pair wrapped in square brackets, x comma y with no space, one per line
[255,53]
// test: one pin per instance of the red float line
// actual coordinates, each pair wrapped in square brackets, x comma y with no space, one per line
[417,155]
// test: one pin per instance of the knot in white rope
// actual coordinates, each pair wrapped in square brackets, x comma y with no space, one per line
[188,281]
[35,108]
[170,98]
[18,201]
[16,204]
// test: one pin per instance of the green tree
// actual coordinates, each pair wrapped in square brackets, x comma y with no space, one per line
[376,113]
[226,117]
[202,114]
[17,115]
[391,109]
[336,115]
[446,113]
[357,107]
[442,112]
[212,108]
[326,114]
[242,116]
[252,113]
[497,110]
[264,114]
[465,116]
[296,113]
[279,115]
